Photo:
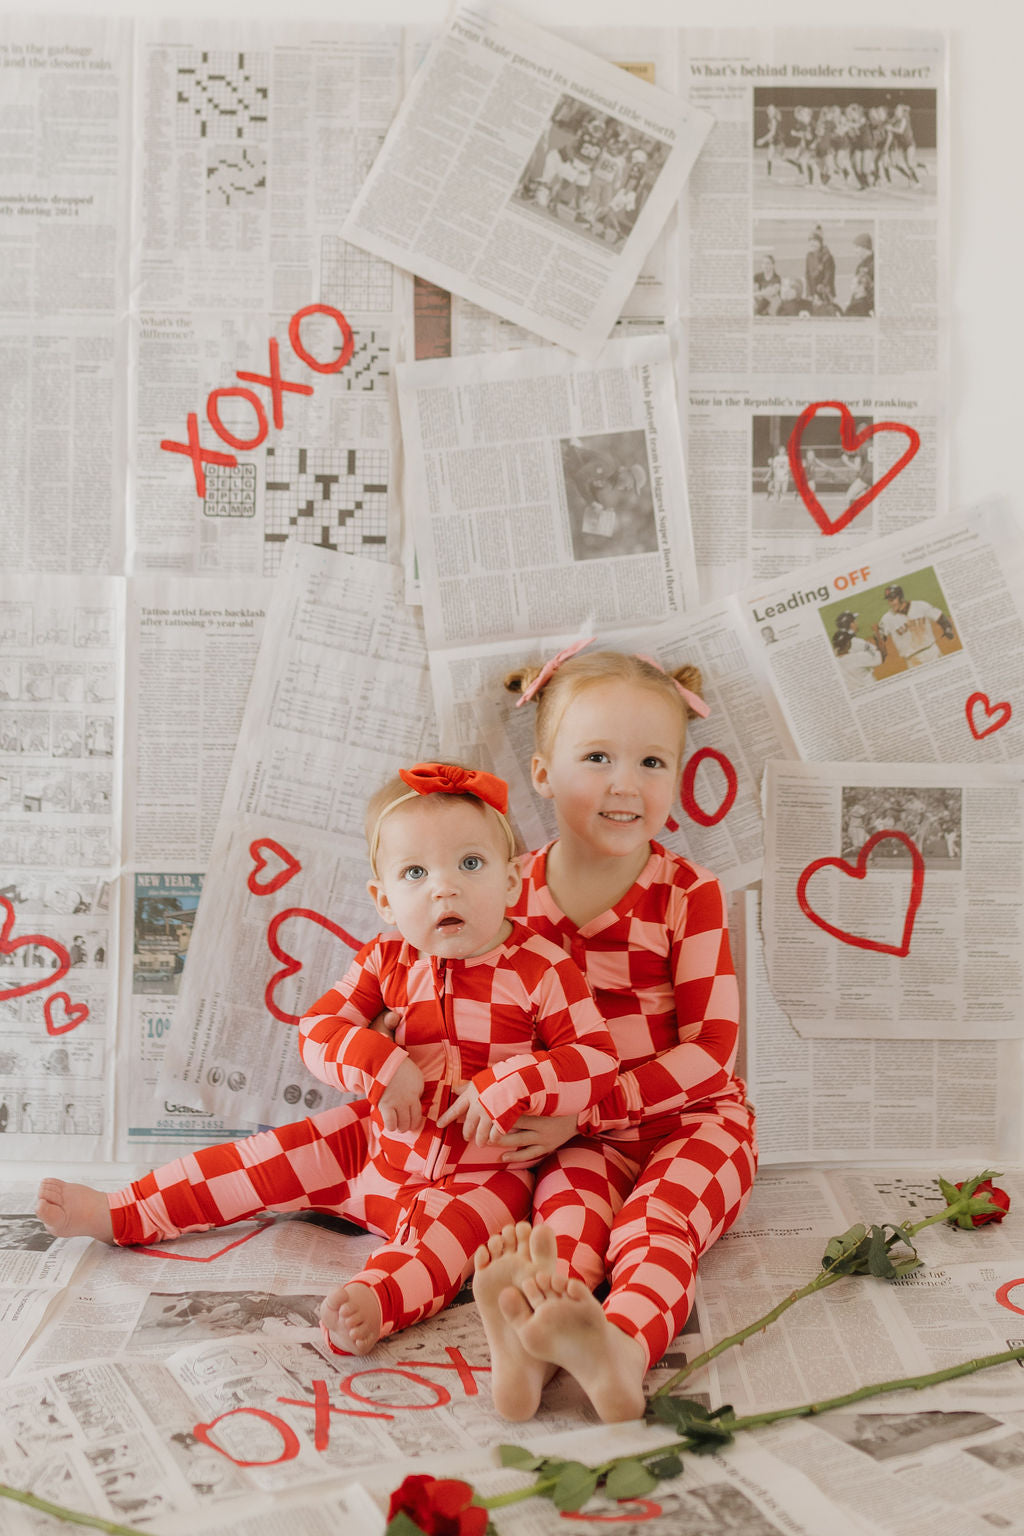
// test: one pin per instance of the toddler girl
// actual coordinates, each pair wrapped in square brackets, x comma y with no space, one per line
[494,1021]
[648,929]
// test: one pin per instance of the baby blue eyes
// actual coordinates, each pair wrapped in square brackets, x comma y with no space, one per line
[470,863]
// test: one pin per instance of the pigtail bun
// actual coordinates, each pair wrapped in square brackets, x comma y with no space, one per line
[689,677]
[519,680]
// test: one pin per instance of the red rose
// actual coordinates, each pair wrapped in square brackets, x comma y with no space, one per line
[995,1196]
[439,1506]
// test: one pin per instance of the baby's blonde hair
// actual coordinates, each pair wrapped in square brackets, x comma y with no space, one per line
[586,671]
[396,789]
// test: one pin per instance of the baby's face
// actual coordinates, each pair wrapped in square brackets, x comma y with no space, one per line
[445,878]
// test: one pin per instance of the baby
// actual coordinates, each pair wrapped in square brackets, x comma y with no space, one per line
[494,1022]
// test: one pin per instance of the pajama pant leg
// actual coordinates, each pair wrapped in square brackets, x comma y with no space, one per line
[580,1190]
[306,1165]
[442,1226]
[691,1190]
[325,1163]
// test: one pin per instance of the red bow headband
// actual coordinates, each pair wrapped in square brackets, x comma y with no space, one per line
[448,779]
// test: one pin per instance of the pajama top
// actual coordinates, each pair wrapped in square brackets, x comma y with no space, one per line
[519,1022]
[661,971]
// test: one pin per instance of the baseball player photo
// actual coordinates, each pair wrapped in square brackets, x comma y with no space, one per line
[912,627]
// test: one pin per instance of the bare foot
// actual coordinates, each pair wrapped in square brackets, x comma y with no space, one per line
[74,1210]
[561,1322]
[352,1318]
[517,1377]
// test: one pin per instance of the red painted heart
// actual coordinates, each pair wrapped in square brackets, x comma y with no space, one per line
[858,873]
[9,945]
[850,440]
[277,869]
[291,965]
[74,1013]
[999,714]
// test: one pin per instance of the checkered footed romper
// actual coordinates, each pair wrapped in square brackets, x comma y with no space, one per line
[665,1162]
[519,1023]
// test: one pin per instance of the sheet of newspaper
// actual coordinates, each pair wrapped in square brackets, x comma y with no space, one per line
[235,1346]
[929,672]
[815,269]
[34,1269]
[957,1472]
[192,644]
[545,492]
[745,1489]
[340,697]
[61,690]
[892,902]
[527,175]
[717,821]
[254,138]
[840,1100]
[964,1302]
[63,290]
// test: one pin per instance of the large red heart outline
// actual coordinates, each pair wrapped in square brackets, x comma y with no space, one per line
[999,714]
[283,864]
[290,965]
[850,440]
[9,945]
[74,1013]
[858,872]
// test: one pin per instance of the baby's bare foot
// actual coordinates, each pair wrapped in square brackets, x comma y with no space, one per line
[74,1210]
[517,1377]
[350,1316]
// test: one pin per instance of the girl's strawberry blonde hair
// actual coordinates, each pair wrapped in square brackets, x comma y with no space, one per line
[586,671]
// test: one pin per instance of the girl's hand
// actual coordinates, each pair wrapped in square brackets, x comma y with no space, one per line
[399,1104]
[477,1125]
[387,1022]
[534,1136]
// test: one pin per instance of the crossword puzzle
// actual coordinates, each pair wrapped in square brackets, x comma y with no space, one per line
[230,491]
[222,95]
[237,177]
[336,499]
[351,279]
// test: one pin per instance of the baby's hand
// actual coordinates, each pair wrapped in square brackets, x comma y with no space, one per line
[399,1104]
[386,1023]
[477,1125]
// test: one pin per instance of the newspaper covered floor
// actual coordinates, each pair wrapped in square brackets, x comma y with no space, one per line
[187,1387]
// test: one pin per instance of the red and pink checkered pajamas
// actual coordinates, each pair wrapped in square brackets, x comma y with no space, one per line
[666,1159]
[518,1022]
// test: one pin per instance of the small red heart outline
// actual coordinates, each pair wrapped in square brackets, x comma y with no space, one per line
[259,848]
[76,1013]
[9,945]
[192,1258]
[291,965]
[1003,709]
[902,949]
[849,440]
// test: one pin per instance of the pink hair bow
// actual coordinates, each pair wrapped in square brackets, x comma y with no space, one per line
[549,669]
[449,779]
[694,700]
